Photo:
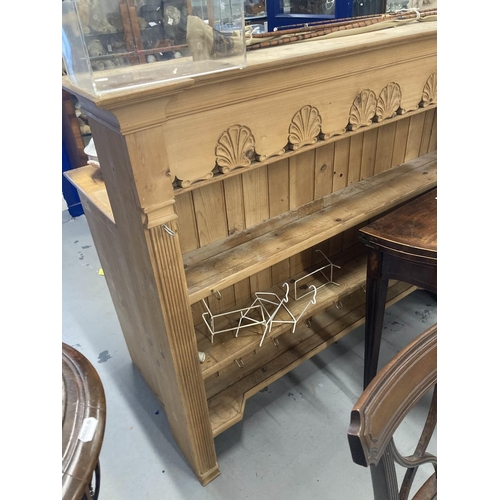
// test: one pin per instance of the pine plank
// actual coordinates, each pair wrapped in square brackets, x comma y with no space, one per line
[233,196]
[88,180]
[368,154]
[255,196]
[341,164]
[279,203]
[188,232]
[227,407]
[323,171]
[355,151]
[224,300]
[323,186]
[414,136]
[335,244]
[399,152]
[426,132]
[210,213]
[349,237]
[260,281]
[256,205]
[197,310]
[433,139]
[301,192]
[385,146]
[242,290]
[336,213]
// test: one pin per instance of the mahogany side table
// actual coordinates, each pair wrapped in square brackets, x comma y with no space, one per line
[402,245]
[83,422]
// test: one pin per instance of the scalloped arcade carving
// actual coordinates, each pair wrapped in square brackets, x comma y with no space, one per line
[389,102]
[429,94]
[235,148]
[187,182]
[259,157]
[304,128]
[363,110]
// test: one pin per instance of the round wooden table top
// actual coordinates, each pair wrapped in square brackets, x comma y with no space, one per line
[83,422]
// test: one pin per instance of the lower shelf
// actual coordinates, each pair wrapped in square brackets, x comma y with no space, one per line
[264,366]
[226,349]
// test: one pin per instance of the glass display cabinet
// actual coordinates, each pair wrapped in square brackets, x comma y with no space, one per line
[109,45]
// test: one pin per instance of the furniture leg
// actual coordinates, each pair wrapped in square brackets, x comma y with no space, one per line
[376,292]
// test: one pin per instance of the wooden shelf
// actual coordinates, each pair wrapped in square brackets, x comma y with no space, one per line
[88,180]
[228,261]
[227,406]
[226,348]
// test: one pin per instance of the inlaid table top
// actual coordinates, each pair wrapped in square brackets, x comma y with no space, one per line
[409,230]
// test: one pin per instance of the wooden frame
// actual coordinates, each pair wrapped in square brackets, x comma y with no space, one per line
[379,411]
[228,182]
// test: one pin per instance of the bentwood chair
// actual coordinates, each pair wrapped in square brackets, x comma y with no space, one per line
[383,405]
[83,424]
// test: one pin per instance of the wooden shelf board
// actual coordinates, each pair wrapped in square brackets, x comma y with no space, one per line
[89,183]
[232,373]
[228,261]
[226,348]
[227,407]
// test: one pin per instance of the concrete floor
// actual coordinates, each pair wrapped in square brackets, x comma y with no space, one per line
[292,442]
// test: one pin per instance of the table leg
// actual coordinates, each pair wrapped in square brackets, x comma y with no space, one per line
[376,293]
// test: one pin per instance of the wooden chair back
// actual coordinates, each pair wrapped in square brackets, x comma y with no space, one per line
[379,411]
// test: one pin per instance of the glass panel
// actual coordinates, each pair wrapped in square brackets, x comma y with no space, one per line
[398,5]
[74,50]
[255,8]
[256,15]
[112,44]
[368,7]
[323,7]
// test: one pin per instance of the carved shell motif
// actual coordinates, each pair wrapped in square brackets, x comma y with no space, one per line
[389,101]
[305,127]
[235,148]
[429,94]
[363,110]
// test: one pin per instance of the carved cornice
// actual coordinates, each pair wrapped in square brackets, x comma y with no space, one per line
[128,112]
[429,93]
[237,146]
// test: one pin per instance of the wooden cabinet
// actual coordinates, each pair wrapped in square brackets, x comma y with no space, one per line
[216,187]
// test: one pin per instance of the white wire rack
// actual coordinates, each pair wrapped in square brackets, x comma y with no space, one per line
[218,323]
[266,306]
[271,303]
[325,271]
